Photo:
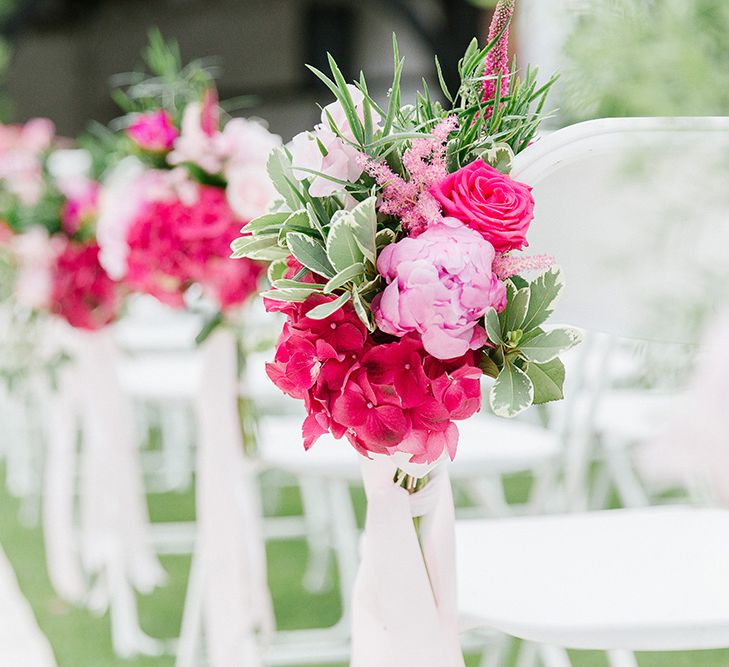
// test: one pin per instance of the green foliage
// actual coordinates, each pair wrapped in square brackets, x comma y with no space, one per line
[638,58]
[524,358]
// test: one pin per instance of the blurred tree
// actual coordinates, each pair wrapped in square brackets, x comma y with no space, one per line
[648,58]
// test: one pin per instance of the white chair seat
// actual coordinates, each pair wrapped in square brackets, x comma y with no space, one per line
[653,579]
[481,449]
[631,415]
[161,377]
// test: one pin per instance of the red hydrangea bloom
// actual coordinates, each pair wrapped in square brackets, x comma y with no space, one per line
[82,293]
[173,244]
[384,397]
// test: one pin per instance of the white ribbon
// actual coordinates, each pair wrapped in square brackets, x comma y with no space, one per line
[113,543]
[230,550]
[59,531]
[405,609]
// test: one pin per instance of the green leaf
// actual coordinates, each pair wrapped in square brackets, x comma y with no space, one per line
[282,177]
[544,293]
[288,294]
[343,277]
[488,366]
[363,220]
[512,317]
[493,327]
[362,309]
[276,270]
[286,283]
[310,253]
[244,246]
[547,346]
[269,253]
[385,237]
[512,392]
[548,381]
[271,221]
[324,310]
[342,248]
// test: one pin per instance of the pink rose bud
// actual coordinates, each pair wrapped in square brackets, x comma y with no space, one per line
[153,131]
[496,206]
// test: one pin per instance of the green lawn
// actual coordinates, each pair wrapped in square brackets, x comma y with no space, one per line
[82,640]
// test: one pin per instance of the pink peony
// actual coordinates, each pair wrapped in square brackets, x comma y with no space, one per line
[249,191]
[440,284]
[82,293]
[153,131]
[497,207]
[384,398]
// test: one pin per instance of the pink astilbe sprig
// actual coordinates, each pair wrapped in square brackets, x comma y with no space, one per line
[506,265]
[497,60]
[426,164]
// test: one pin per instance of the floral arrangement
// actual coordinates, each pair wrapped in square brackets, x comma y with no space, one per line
[183,184]
[48,205]
[394,250]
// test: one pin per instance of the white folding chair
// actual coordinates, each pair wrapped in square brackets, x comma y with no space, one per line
[617,205]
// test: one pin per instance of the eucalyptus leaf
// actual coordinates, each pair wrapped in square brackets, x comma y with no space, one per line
[310,253]
[512,392]
[548,381]
[324,310]
[548,345]
[343,277]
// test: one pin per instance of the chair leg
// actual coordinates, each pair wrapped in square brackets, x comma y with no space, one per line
[554,656]
[621,659]
[631,491]
[496,654]
[189,645]
[317,577]
[528,655]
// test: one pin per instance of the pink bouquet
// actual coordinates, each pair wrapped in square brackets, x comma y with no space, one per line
[394,253]
[48,204]
[185,186]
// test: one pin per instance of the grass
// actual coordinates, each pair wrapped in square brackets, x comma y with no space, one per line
[82,640]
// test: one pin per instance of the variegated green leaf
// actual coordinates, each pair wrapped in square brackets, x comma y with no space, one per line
[512,392]
[245,245]
[342,247]
[548,380]
[544,293]
[276,270]
[282,177]
[513,315]
[385,237]
[362,309]
[324,310]
[548,345]
[363,220]
[493,327]
[285,283]
[271,221]
[288,294]
[269,254]
[343,277]
[310,253]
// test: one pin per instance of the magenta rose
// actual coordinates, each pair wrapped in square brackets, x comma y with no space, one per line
[496,206]
[153,131]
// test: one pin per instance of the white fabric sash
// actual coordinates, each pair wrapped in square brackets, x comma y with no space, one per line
[405,609]
[237,609]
